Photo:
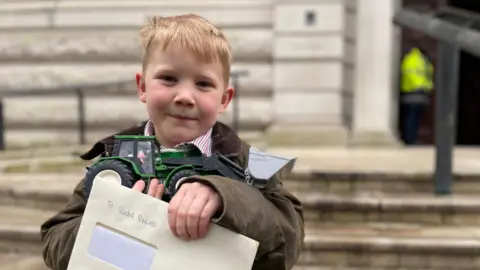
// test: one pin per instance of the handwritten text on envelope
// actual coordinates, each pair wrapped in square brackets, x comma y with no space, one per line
[128,230]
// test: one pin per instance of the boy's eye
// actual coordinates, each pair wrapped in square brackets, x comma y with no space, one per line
[168,78]
[204,84]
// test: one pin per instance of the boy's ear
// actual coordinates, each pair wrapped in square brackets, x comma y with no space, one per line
[141,87]
[227,98]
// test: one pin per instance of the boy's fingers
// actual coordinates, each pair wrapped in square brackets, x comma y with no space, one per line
[139,186]
[152,188]
[194,212]
[159,192]
[182,216]
[172,210]
[207,213]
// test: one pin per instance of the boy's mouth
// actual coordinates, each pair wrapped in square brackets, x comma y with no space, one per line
[183,117]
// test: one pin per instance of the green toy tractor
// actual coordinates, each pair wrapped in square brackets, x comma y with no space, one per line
[136,158]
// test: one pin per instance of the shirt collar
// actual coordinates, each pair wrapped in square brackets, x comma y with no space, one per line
[203,143]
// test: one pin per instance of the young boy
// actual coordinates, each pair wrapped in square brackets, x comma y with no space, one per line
[185,86]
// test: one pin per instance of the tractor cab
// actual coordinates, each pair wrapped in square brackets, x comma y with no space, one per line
[140,150]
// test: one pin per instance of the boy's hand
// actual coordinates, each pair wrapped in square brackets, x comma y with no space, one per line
[155,189]
[191,209]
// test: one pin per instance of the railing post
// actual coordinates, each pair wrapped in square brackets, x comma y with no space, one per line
[2,127]
[81,116]
[446,116]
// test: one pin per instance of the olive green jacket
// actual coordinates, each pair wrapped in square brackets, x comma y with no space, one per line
[272,216]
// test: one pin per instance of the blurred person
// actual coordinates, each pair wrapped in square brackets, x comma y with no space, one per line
[416,87]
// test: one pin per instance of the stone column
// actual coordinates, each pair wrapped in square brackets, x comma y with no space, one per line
[376,69]
[312,66]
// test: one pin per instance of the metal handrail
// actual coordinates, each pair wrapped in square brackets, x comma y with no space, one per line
[61,90]
[453,38]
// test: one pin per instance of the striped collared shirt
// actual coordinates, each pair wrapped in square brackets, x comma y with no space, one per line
[203,143]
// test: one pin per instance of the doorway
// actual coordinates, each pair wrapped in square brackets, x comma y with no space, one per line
[468,127]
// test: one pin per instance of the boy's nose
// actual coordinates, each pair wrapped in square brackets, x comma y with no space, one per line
[184,97]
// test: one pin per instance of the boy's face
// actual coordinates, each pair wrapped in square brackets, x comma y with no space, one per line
[184,96]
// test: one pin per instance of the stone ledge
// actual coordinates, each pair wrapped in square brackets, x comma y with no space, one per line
[319,267]
[132,13]
[127,4]
[55,164]
[377,183]
[33,153]
[349,238]
[19,261]
[20,240]
[304,135]
[345,247]
[95,45]
[20,233]
[47,191]
[20,229]
[408,161]
[109,113]
[374,139]
[401,203]
[36,199]
[21,76]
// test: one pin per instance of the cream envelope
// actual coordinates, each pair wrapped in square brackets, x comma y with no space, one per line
[125,229]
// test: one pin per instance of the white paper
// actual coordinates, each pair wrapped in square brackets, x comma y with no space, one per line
[125,229]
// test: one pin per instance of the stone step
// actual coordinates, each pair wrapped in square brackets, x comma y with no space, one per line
[319,267]
[39,152]
[379,183]
[16,261]
[455,210]
[20,229]
[38,191]
[387,247]
[52,190]
[380,171]
[53,164]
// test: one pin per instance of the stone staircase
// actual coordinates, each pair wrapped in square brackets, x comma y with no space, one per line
[368,221]
[354,221]
[59,43]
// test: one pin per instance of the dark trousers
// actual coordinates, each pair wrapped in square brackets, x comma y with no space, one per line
[411,116]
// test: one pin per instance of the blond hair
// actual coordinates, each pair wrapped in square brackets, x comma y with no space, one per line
[186,32]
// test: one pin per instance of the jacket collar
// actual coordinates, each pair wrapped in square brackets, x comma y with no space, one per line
[224,141]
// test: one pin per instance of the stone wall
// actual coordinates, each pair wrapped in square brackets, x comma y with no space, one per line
[300,58]
[56,43]
[314,60]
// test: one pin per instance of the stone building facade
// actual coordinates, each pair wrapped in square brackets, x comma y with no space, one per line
[319,72]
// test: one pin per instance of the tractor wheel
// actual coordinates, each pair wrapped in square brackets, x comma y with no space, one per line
[109,170]
[175,180]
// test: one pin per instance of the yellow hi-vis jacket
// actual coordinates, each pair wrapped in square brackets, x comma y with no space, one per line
[417,72]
